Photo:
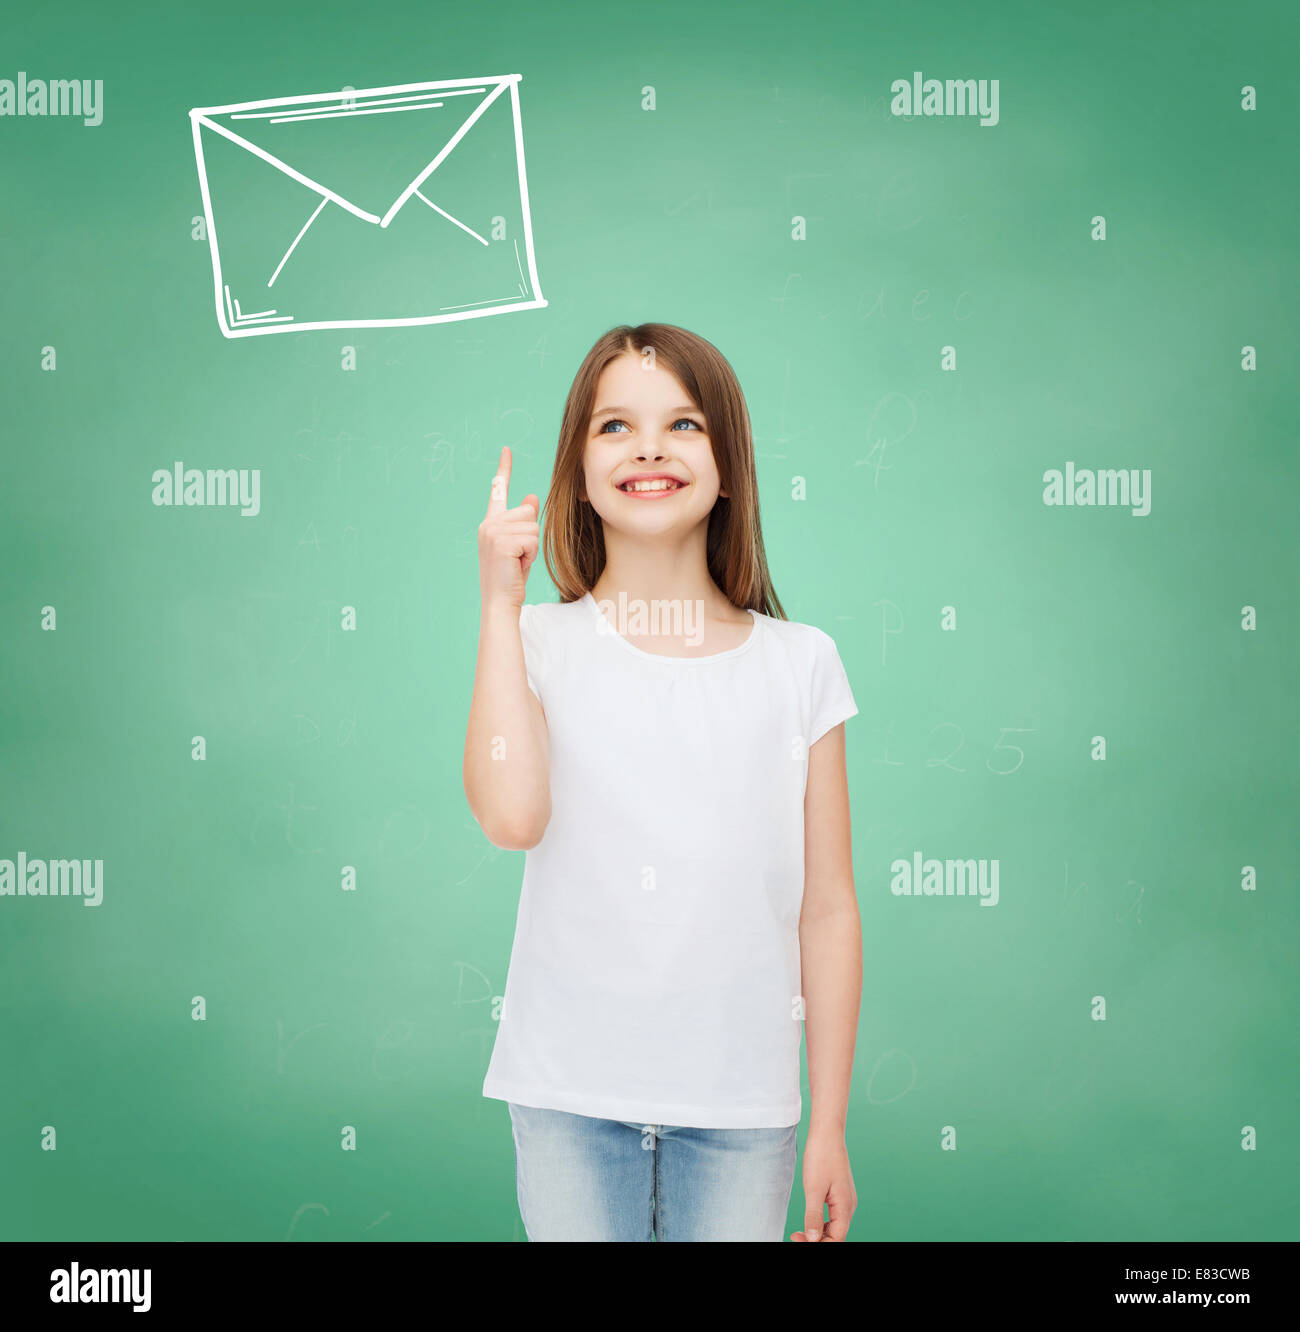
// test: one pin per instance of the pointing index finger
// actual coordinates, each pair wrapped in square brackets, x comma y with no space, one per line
[500,484]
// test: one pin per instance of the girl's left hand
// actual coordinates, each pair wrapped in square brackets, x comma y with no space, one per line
[826,1179]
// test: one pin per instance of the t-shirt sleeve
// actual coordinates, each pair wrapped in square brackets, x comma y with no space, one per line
[832,699]
[530,632]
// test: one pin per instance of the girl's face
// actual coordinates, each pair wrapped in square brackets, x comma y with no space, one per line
[648,464]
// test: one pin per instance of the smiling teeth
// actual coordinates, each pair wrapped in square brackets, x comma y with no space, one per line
[650,485]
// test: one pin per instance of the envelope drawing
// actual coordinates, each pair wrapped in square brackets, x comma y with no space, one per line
[370,208]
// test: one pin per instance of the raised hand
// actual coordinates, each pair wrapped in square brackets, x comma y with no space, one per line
[507,542]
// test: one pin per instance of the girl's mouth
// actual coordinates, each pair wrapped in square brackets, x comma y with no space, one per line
[657,487]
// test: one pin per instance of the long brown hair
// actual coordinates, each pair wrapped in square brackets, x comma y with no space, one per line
[574,541]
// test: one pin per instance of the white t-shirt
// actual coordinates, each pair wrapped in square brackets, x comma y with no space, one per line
[655,969]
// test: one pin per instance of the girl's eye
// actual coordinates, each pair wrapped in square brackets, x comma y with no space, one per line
[619,421]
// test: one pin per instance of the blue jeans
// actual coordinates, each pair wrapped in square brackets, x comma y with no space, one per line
[581,1178]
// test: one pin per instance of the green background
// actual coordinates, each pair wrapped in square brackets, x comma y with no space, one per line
[371,1008]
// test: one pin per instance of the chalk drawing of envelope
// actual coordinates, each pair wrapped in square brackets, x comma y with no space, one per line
[367,208]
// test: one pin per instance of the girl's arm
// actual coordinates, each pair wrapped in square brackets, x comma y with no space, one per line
[507,761]
[830,946]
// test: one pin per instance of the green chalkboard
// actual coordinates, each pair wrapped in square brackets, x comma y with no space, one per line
[234,706]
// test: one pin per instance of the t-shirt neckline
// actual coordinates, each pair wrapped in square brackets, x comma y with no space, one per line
[660,656]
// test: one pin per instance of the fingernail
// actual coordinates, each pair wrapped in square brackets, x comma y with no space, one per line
[814,1234]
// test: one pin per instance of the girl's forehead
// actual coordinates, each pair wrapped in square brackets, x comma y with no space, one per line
[628,380]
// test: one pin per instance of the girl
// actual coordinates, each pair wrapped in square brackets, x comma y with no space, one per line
[669,750]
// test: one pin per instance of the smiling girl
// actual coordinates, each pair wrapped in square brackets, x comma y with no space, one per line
[669,750]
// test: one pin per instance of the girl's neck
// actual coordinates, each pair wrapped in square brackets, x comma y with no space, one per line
[650,573]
